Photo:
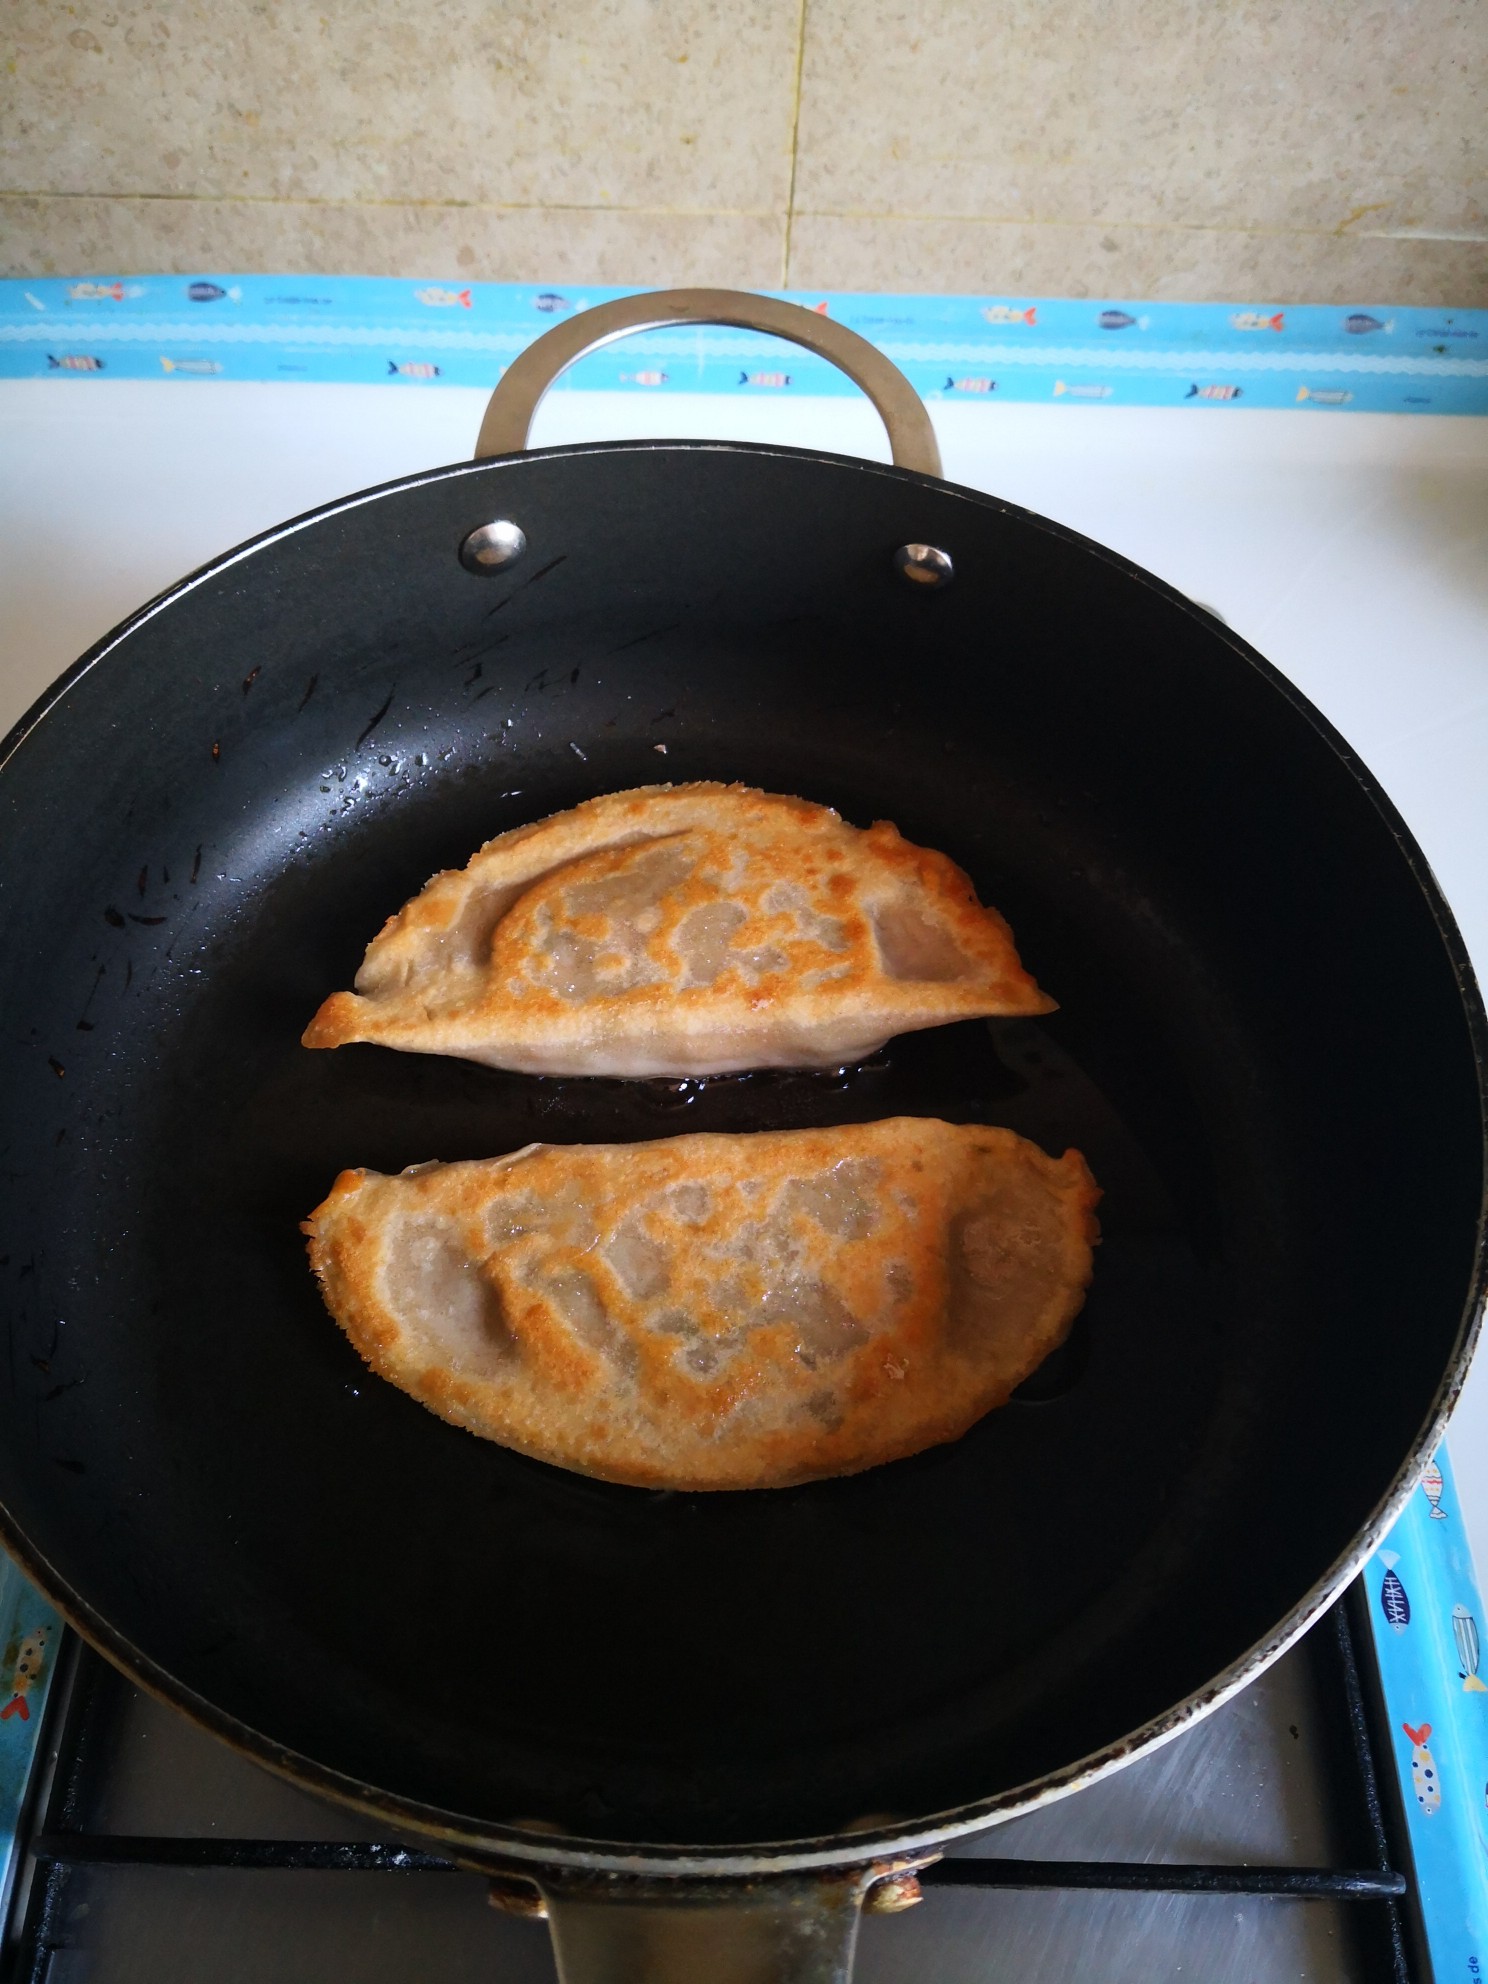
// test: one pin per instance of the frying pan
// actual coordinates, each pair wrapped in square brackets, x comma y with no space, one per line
[705,1726]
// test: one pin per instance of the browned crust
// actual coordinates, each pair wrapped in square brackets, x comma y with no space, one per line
[912,1384]
[510,1014]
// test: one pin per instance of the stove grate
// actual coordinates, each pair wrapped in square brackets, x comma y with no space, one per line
[55,1844]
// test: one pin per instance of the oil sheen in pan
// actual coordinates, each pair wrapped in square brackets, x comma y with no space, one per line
[1008,1072]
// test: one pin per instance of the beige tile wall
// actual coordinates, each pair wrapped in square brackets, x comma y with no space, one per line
[1297,150]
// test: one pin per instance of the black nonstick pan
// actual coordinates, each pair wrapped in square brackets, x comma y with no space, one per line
[662,1707]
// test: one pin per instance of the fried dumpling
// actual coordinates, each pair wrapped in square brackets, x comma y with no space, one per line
[682,930]
[716,1311]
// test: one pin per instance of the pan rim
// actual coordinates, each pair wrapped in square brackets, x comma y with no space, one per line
[490,1843]
[496,1844]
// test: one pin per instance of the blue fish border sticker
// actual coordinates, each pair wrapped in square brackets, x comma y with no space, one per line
[1320,360]
[1423,1619]
[30,1636]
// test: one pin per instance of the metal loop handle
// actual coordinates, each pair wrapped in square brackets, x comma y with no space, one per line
[509,415]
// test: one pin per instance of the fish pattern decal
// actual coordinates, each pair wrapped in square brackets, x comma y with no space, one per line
[1424,1612]
[1393,1600]
[26,1662]
[1465,1632]
[1424,1780]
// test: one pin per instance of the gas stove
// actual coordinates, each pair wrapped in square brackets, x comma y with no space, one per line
[1264,1843]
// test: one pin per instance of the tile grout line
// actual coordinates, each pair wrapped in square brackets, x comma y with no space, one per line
[357,205]
[1144,226]
[790,196]
[747,213]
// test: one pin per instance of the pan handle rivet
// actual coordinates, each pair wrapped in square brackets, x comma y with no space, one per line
[493,547]
[514,1896]
[891,1896]
[924,565]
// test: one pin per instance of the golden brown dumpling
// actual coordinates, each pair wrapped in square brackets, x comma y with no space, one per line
[682,930]
[716,1311]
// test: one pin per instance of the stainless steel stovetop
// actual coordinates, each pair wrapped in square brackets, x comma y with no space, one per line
[1283,1777]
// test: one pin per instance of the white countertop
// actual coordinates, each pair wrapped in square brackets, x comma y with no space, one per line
[1351,549]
